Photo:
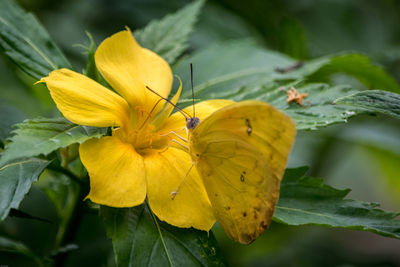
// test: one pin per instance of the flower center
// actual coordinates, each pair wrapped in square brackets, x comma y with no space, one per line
[141,134]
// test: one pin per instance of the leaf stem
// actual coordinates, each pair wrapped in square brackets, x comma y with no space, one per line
[69,227]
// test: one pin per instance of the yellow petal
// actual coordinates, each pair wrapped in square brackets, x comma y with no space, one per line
[166,110]
[117,174]
[203,109]
[191,206]
[128,68]
[84,101]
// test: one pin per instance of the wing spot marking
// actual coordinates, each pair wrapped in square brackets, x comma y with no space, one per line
[263,225]
[249,128]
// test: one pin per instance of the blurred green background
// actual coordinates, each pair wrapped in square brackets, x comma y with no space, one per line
[363,155]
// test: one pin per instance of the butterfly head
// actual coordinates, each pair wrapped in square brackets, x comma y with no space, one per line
[192,122]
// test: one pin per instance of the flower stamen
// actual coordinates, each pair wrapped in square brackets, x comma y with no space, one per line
[149,115]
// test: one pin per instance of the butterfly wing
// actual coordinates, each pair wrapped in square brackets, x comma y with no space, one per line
[241,152]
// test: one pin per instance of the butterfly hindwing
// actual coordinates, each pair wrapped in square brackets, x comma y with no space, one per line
[241,152]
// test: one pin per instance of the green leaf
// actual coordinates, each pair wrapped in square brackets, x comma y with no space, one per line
[168,37]
[9,116]
[374,101]
[355,65]
[242,70]
[42,136]
[10,245]
[140,239]
[318,109]
[16,180]
[307,201]
[224,70]
[27,43]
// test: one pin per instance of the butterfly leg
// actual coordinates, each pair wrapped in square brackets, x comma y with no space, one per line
[173,193]
[169,144]
[177,135]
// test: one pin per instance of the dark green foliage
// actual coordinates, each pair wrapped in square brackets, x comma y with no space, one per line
[16,180]
[27,43]
[307,201]
[8,117]
[169,36]
[358,66]
[246,68]
[140,239]
[42,136]
[374,101]
[10,245]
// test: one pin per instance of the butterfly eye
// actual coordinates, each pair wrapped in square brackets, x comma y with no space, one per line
[191,123]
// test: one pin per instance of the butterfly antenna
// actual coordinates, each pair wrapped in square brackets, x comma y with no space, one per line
[166,99]
[191,81]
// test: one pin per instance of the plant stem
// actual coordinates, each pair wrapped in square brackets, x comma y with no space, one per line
[72,217]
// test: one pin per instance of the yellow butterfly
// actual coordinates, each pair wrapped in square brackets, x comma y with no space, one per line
[241,151]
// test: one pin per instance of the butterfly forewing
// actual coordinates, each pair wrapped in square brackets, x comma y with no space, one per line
[241,152]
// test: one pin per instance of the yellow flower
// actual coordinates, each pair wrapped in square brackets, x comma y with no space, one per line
[140,157]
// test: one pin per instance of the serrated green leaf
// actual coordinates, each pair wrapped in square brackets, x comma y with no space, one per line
[139,239]
[374,101]
[307,201]
[224,70]
[9,116]
[168,37]
[318,109]
[42,136]
[16,180]
[27,43]
[242,70]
